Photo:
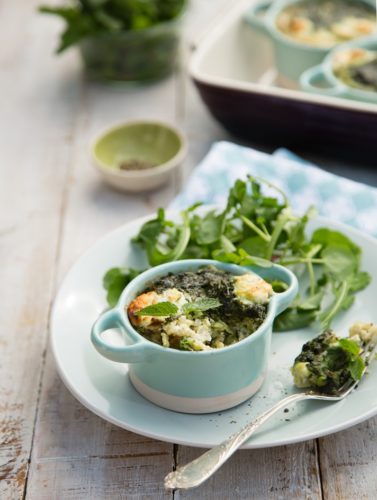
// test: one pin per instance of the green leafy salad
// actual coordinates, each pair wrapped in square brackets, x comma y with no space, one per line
[327,362]
[258,228]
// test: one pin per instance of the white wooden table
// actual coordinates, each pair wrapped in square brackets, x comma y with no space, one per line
[53,207]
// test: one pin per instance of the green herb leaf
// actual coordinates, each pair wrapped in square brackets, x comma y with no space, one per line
[341,294]
[339,261]
[163,240]
[337,358]
[169,309]
[160,309]
[278,286]
[350,346]
[200,305]
[312,303]
[357,368]
[237,193]
[254,246]
[186,344]
[208,229]
[326,237]
[347,301]
[241,258]
[293,319]
[115,281]
[359,281]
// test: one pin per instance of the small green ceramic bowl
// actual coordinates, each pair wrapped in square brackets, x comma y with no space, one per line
[159,146]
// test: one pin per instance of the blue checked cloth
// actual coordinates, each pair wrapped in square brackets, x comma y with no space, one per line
[335,197]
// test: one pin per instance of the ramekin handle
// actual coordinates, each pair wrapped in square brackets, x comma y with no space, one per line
[315,74]
[134,353]
[283,299]
[254,14]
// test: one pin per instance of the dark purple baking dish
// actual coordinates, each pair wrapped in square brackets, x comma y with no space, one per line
[233,70]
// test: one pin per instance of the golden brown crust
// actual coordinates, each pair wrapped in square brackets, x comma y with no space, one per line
[141,301]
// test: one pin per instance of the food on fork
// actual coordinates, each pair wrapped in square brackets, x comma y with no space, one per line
[327,362]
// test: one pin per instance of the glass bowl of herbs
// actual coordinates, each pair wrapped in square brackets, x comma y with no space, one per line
[138,155]
[127,41]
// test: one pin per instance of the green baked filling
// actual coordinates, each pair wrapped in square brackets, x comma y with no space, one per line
[361,75]
[324,13]
[216,284]
[327,362]
[329,20]
[229,319]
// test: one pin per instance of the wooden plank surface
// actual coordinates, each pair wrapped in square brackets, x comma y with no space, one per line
[95,459]
[33,159]
[77,455]
[53,208]
[275,473]
[348,462]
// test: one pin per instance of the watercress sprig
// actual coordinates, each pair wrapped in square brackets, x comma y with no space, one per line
[256,228]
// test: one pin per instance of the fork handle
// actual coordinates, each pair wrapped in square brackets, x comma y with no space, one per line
[199,470]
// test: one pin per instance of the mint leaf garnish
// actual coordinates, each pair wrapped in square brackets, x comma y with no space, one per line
[356,368]
[160,309]
[350,346]
[200,305]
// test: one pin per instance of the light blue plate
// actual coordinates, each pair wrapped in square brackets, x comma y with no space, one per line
[104,387]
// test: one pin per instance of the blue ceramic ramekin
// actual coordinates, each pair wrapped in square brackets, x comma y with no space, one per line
[324,73]
[193,382]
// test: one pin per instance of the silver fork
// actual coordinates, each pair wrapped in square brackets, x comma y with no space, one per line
[199,470]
